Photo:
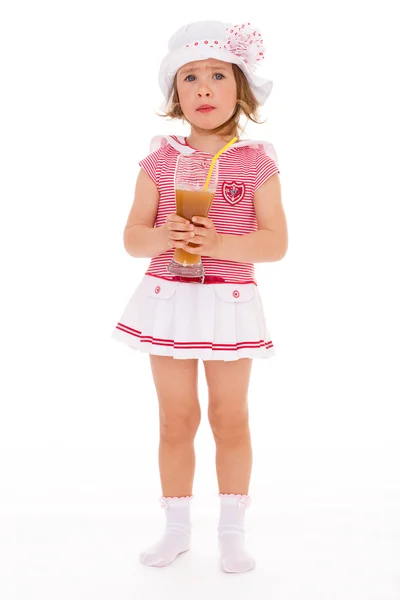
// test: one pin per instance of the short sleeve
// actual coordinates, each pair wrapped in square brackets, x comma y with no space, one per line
[151,164]
[265,167]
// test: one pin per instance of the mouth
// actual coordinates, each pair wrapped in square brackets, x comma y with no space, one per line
[206,108]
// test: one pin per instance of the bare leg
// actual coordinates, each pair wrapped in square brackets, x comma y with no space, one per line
[234,458]
[228,415]
[179,412]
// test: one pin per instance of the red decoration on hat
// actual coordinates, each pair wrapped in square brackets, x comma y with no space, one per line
[241,44]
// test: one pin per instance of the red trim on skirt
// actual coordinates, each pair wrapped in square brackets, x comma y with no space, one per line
[192,345]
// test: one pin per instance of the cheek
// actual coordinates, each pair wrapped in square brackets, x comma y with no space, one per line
[229,91]
[183,100]
[229,96]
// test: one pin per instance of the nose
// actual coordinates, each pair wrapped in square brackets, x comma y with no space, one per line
[203,90]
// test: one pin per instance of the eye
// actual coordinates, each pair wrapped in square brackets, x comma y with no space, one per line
[221,76]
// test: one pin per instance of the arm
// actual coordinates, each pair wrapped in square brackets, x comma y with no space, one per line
[270,242]
[141,238]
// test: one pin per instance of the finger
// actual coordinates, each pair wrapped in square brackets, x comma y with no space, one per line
[200,231]
[180,226]
[176,235]
[174,218]
[203,221]
[177,244]
[190,250]
[194,249]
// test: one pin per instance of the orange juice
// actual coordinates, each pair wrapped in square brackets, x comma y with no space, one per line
[190,203]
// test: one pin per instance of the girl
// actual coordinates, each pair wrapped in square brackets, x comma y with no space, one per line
[219,318]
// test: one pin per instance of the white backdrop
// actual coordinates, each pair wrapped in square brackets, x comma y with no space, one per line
[79,475]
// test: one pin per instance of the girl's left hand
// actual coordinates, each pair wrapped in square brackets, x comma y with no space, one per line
[206,238]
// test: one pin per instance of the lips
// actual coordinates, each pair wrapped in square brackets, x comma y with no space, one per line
[206,108]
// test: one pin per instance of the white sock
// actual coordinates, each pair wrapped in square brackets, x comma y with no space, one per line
[176,538]
[231,537]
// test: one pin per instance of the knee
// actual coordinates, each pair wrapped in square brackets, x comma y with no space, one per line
[228,425]
[181,428]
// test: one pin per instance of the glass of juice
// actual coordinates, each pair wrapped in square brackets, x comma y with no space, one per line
[191,200]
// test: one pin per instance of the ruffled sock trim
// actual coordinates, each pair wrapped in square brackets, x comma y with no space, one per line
[165,500]
[242,499]
[177,497]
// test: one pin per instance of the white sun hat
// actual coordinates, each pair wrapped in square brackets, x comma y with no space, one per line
[241,45]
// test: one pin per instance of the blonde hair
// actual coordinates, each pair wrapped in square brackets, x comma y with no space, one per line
[246,104]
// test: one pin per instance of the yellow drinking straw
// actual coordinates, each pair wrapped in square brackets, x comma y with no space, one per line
[214,160]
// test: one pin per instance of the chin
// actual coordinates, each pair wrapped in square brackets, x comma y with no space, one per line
[206,123]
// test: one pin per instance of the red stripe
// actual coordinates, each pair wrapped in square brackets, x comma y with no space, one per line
[192,345]
[245,165]
[179,142]
[128,329]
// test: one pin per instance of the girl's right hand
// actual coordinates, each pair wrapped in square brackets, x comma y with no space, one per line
[179,231]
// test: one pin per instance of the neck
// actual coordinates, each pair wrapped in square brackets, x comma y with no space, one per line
[206,142]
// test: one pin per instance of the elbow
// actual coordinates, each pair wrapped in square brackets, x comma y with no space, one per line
[129,242]
[284,243]
[280,246]
[283,250]
[125,242]
[279,255]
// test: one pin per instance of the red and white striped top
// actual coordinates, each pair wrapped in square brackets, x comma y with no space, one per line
[242,169]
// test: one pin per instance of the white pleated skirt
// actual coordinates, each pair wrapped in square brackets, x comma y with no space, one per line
[222,321]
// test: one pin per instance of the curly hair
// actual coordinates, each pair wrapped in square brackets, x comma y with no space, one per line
[246,104]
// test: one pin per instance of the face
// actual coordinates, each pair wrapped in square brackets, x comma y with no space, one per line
[209,82]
